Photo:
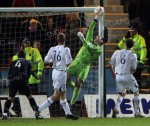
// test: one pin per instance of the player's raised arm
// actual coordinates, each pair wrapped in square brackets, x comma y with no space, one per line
[89,43]
[92,47]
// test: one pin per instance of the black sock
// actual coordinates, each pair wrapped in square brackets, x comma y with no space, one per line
[95,20]
[7,106]
[32,103]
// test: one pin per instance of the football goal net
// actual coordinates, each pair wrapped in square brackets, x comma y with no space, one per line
[19,23]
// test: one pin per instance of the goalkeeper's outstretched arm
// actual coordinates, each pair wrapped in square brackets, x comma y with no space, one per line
[90,46]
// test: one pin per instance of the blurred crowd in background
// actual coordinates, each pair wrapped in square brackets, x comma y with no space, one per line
[40,3]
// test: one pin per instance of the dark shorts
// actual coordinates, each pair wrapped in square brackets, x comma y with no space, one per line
[20,86]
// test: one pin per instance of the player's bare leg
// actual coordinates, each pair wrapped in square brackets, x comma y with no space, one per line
[58,95]
[47,103]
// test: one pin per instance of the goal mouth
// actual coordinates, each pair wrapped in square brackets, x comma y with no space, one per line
[43,24]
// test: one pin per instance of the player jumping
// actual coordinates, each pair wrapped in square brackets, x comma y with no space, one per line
[89,52]
[60,57]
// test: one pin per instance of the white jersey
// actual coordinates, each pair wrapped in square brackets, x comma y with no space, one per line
[123,60]
[60,56]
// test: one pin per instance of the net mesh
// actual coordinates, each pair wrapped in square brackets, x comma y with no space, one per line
[14,27]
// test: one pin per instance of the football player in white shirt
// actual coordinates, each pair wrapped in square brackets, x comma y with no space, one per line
[60,56]
[123,65]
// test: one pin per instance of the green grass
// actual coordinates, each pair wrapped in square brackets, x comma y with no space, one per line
[80,122]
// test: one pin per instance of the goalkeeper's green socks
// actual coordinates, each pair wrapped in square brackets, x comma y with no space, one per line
[71,83]
[75,95]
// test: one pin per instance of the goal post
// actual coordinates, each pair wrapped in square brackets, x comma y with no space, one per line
[101,73]
[68,20]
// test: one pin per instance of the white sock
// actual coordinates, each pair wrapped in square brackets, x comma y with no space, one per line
[136,102]
[65,106]
[45,104]
[5,114]
[119,100]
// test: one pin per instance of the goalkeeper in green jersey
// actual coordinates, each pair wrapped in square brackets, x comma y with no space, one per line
[89,52]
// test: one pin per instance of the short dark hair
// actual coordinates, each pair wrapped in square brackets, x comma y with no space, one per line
[21,54]
[129,43]
[61,37]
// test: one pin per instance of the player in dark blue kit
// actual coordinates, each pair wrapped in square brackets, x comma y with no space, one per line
[18,76]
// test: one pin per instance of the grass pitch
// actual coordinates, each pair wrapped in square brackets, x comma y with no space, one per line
[80,122]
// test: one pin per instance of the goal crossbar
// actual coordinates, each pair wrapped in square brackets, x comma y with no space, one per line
[48,9]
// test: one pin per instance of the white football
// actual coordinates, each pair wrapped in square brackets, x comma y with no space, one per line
[99,9]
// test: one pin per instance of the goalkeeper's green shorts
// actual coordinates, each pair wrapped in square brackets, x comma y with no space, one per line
[79,70]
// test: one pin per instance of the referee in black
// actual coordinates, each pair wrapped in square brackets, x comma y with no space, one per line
[18,76]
